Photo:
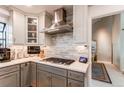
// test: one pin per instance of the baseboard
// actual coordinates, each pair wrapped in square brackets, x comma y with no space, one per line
[104,61]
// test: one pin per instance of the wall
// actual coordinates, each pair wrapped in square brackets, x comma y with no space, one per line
[62,46]
[121,41]
[102,34]
[98,11]
[115,40]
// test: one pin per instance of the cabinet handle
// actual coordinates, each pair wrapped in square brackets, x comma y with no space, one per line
[49,78]
[26,64]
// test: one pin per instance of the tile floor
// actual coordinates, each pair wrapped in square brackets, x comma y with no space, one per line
[116,76]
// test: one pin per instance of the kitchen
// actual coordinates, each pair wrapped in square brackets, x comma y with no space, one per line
[44,46]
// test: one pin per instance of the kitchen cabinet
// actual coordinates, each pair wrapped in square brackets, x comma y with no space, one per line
[43,79]
[47,79]
[33,74]
[80,31]
[18,28]
[51,76]
[58,81]
[58,77]
[45,21]
[10,80]
[75,79]
[121,20]
[25,75]
[10,76]
[32,30]
[74,83]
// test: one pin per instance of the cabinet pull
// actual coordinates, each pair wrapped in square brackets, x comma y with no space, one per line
[26,64]
[49,78]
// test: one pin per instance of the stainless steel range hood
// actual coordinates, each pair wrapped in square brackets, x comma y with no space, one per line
[59,24]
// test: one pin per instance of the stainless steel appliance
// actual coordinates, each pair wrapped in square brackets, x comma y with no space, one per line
[59,60]
[4,54]
[33,49]
[59,25]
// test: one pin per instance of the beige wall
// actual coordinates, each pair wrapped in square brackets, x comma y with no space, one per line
[102,34]
[115,40]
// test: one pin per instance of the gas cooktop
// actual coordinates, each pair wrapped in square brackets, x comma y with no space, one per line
[59,60]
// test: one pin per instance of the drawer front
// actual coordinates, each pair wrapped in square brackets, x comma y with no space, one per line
[59,71]
[43,67]
[74,83]
[76,75]
[9,69]
[33,65]
[52,69]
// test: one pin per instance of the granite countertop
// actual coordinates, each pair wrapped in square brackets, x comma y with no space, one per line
[76,66]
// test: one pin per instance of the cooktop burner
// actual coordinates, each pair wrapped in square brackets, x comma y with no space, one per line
[59,60]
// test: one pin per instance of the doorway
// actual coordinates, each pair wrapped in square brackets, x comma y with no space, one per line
[102,39]
[106,46]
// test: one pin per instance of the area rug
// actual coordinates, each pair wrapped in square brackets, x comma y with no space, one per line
[100,73]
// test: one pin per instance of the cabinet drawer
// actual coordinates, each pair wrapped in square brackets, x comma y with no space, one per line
[33,65]
[43,67]
[59,71]
[76,75]
[74,83]
[9,69]
[52,69]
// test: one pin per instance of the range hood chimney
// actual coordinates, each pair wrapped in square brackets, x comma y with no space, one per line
[59,24]
[59,17]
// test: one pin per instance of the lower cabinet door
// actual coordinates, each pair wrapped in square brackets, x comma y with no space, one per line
[74,83]
[33,75]
[25,75]
[43,79]
[10,80]
[58,81]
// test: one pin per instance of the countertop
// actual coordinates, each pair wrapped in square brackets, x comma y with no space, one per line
[76,66]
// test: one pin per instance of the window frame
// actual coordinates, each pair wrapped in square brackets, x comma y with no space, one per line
[3,27]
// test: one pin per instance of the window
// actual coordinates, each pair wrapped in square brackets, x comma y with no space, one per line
[2,35]
[2,26]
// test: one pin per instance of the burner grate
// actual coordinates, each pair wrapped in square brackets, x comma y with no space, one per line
[59,60]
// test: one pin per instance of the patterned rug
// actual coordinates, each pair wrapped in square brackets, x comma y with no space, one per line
[100,73]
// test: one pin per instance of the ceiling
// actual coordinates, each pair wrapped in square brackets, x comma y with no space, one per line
[35,9]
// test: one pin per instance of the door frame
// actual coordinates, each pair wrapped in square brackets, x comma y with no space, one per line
[95,12]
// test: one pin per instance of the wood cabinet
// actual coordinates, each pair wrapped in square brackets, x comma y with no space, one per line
[58,81]
[40,75]
[80,31]
[51,76]
[75,79]
[45,21]
[57,77]
[10,76]
[75,83]
[33,74]
[10,80]
[18,28]
[25,75]
[32,30]
[43,79]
